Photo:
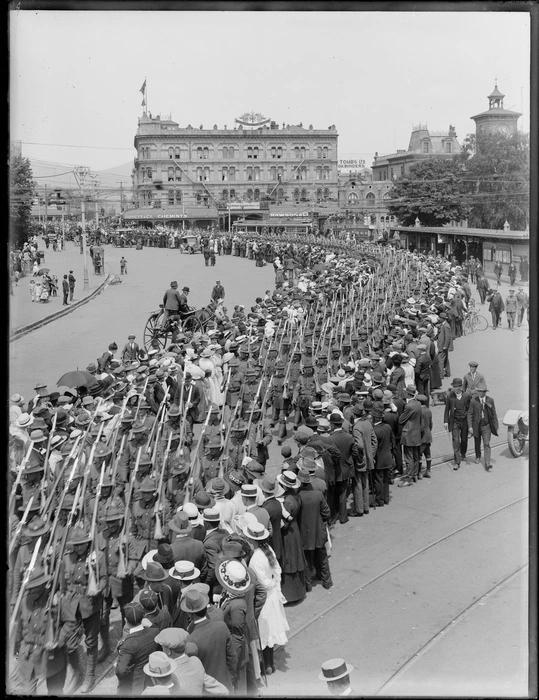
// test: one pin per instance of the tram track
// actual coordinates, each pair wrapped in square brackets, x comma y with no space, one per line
[458,618]
[343,599]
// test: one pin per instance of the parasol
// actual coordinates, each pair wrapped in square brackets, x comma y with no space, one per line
[77,378]
[43,271]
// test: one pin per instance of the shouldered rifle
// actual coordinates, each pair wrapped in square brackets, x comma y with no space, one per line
[142,395]
[158,533]
[46,460]
[193,471]
[287,375]
[161,419]
[52,624]
[225,442]
[93,576]
[184,421]
[20,526]
[18,478]
[89,465]
[122,568]
[15,613]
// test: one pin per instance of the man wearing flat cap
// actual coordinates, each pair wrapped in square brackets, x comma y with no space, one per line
[134,651]
[473,380]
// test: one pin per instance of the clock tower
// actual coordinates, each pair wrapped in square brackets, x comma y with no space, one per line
[496,120]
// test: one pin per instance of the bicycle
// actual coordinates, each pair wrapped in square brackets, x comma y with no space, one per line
[473,321]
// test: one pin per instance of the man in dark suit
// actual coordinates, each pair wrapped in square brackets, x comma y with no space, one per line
[473,380]
[410,420]
[212,638]
[134,650]
[366,444]
[275,511]
[312,518]
[349,457]
[212,541]
[331,457]
[130,350]
[445,346]
[422,371]
[482,423]
[186,548]
[383,460]
[456,420]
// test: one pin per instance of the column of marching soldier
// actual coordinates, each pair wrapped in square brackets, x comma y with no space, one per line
[115,503]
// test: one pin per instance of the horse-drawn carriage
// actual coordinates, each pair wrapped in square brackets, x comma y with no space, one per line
[159,335]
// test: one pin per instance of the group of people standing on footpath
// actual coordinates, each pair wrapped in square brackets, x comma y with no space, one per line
[148,489]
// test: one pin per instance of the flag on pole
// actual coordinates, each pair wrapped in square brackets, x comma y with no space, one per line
[143,88]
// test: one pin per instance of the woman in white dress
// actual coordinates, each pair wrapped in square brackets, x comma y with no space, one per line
[209,363]
[272,622]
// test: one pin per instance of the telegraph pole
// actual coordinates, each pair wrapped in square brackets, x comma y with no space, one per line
[46,215]
[80,172]
[121,202]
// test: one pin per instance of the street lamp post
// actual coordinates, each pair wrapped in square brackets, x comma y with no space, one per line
[80,173]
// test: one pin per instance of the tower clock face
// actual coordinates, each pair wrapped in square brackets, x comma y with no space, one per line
[503,129]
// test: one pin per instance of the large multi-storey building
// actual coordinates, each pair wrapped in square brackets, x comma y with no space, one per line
[202,175]
[424,144]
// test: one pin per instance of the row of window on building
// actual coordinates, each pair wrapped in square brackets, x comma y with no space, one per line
[174,197]
[231,152]
[228,173]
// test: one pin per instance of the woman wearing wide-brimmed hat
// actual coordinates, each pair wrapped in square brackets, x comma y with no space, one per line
[272,621]
[293,574]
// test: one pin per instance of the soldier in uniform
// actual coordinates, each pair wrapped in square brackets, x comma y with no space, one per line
[143,473]
[259,437]
[236,451]
[335,360]
[119,583]
[38,657]
[139,439]
[174,426]
[250,390]
[280,405]
[34,529]
[294,370]
[143,522]
[211,460]
[213,429]
[178,481]
[320,373]
[235,384]
[80,609]
[304,393]
[102,455]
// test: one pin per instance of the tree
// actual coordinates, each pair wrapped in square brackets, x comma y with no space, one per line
[22,192]
[496,173]
[431,192]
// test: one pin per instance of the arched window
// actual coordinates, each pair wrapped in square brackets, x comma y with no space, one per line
[297,152]
[326,193]
[178,196]
[302,152]
[206,153]
[370,199]
[249,151]
[171,153]
[249,173]
[231,152]
[255,151]
[319,173]
[249,195]
[273,173]
[386,196]
[319,194]
[232,194]
[178,175]
[319,151]
[224,194]
[325,152]
[280,172]
[303,195]
[224,174]
[273,152]
[170,176]
[232,174]
[280,195]
[149,196]
[177,152]
[353,198]
[325,174]
[296,194]
[279,151]
[256,174]
[225,152]
[257,195]
[171,197]
[199,152]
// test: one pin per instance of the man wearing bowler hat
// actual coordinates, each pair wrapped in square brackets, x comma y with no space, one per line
[456,420]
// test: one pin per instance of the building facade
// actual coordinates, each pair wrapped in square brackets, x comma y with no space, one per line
[198,175]
[424,144]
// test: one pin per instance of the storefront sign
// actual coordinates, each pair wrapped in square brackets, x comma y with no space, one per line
[288,215]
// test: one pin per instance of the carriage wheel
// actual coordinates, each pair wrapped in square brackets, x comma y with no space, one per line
[192,325]
[154,336]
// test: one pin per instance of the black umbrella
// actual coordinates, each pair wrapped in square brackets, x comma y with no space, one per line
[77,378]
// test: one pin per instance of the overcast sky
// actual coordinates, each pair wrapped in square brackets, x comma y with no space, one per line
[76,76]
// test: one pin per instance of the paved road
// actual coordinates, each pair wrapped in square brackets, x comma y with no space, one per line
[386,609]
